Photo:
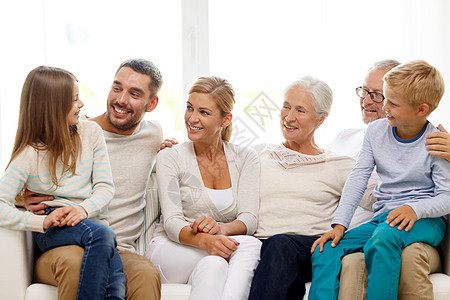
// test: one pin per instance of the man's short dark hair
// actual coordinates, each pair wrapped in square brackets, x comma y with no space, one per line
[145,67]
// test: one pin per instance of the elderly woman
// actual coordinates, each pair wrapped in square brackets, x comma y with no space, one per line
[208,190]
[300,189]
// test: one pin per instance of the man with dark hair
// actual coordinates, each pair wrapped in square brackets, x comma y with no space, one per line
[132,147]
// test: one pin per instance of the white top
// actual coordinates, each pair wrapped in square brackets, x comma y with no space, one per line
[349,142]
[221,198]
[132,159]
[299,193]
[91,187]
[183,196]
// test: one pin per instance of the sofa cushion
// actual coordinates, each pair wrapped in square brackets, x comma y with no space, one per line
[152,213]
[40,291]
[175,291]
[441,284]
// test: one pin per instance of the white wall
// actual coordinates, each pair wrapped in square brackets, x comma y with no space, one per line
[22,48]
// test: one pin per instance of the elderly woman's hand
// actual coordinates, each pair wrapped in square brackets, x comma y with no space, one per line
[336,235]
[438,143]
[205,225]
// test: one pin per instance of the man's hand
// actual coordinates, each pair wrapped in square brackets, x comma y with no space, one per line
[404,215]
[438,143]
[335,234]
[168,143]
[206,225]
[33,202]
[70,215]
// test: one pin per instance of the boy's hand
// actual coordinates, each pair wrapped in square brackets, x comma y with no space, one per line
[72,215]
[404,215]
[335,234]
[168,143]
[438,143]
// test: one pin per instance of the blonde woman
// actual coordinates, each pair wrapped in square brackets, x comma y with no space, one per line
[209,193]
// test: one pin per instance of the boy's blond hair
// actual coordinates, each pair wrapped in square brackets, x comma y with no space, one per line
[419,83]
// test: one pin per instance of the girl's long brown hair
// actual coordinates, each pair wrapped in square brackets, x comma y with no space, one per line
[46,100]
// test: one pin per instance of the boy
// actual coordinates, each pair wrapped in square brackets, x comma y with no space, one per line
[413,191]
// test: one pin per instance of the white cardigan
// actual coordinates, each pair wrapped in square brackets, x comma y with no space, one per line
[183,196]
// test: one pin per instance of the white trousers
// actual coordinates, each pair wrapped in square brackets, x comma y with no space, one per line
[211,277]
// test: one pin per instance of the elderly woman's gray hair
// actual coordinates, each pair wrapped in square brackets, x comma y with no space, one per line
[320,92]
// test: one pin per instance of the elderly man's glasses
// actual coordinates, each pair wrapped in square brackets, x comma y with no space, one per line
[362,93]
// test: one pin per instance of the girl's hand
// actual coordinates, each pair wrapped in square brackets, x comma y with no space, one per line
[404,215]
[220,245]
[205,225]
[51,220]
[335,234]
[72,215]
[438,143]
[168,143]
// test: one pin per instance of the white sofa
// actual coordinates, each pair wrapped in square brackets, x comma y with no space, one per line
[16,263]
[17,259]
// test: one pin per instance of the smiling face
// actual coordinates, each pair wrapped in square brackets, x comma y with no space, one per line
[73,115]
[370,110]
[299,118]
[128,100]
[409,119]
[203,118]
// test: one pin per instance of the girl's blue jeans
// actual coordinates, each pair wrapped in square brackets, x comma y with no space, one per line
[101,275]
[382,246]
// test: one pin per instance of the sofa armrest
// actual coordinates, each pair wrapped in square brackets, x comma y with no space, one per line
[16,254]
[445,247]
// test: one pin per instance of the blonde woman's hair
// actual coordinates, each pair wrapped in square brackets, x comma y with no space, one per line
[419,83]
[222,92]
[46,100]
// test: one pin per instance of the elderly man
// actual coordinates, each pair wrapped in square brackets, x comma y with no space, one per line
[419,259]
[132,146]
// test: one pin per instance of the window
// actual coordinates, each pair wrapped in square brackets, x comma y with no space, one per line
[260,46]
[90,39]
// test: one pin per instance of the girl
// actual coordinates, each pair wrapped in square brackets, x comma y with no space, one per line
[56,154]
